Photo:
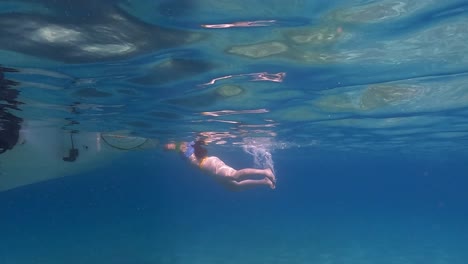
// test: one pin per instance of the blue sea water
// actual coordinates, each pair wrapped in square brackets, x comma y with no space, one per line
[363,106]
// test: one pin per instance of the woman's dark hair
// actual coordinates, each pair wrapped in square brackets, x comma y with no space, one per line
[199,151]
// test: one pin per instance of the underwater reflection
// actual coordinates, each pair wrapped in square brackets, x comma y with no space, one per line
[109,35]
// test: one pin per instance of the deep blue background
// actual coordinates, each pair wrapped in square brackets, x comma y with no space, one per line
[152,202]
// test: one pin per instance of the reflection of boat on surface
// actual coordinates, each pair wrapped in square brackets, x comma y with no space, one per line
[44,153]
[35,151]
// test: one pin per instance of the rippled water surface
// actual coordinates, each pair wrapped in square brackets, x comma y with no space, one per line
[342,75]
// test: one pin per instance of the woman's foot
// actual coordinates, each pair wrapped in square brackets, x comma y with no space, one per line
[270,183]
[269,174]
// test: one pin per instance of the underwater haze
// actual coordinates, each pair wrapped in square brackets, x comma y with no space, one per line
[359,107]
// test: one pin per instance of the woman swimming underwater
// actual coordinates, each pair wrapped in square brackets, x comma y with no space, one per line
[226,175]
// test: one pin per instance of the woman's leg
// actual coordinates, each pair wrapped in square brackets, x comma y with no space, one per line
[240,185]
[247,173]
[239,178]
